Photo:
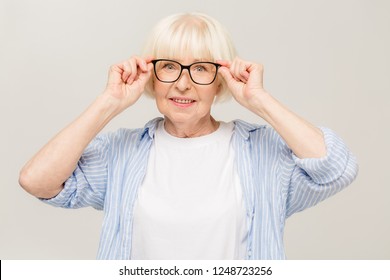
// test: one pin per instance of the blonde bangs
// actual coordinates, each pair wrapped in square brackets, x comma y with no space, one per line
[185,40]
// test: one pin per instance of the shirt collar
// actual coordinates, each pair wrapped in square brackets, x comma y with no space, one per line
[242,128]
[150,128]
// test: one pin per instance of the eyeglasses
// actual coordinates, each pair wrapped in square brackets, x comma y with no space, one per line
[201,73]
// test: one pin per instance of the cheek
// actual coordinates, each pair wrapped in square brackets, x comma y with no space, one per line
[160,92]
[160,89]
[211,93]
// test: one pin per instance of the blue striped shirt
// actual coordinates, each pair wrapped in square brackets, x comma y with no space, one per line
[276,184]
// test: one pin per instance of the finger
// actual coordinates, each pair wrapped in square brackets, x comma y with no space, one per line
[142,78]
[141,63]
[150,68]
[126,72]
[137,66]
[240,70]
[227,76]
[225,63]
[234,69]
[229,66]
[148,59]
[244,74]
[145,76]
[132,64]
[115,74]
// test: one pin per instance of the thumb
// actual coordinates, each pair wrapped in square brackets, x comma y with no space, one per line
[227,76]
[145,76]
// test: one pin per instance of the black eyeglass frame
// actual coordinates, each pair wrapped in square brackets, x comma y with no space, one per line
[188,69]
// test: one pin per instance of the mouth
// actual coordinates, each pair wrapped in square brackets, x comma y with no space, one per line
[182,102]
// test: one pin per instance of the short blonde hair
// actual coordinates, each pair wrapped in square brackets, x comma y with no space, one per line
[195,34]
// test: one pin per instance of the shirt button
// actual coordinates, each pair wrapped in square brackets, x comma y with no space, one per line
[250,252]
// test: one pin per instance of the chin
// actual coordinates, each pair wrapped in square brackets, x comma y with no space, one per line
[179,118]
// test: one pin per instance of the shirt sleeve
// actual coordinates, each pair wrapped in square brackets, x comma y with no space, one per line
[87,184]
[315,179]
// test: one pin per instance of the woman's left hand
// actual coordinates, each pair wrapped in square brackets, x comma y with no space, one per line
[245,81]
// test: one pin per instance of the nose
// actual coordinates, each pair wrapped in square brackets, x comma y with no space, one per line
[184,82]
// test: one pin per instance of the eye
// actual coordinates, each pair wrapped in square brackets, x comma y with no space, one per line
[200,68]
[168,66]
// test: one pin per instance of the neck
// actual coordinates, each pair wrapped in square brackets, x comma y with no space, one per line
[188,130]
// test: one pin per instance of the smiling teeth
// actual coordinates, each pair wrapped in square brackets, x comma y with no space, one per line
[183,101]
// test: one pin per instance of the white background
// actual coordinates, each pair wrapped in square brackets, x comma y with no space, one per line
[327,60]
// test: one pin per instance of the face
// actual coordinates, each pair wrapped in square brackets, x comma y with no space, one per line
[184,102]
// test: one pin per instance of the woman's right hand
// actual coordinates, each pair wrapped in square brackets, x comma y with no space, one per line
[44,175]
[127,80]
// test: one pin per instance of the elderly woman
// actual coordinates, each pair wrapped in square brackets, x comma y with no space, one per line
[187,186]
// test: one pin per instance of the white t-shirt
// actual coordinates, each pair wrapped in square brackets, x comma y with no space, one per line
[190,204]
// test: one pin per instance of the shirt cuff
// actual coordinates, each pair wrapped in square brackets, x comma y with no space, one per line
[63,198]
[331,167]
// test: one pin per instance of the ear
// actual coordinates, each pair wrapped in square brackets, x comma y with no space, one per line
[220,85]
[219,90]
